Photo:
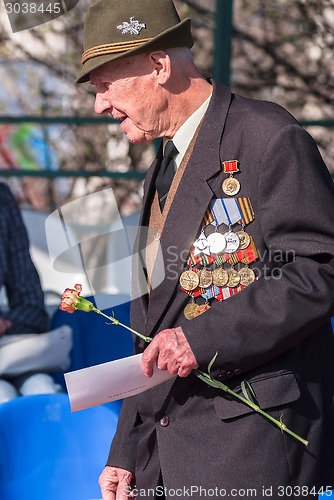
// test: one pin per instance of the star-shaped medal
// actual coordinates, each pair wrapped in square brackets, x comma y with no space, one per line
[201,245]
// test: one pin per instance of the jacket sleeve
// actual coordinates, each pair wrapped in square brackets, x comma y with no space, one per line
[296,213]
[123,449]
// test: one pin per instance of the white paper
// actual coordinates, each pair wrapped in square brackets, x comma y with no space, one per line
[110,381]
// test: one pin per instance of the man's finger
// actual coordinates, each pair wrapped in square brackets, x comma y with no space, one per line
[150,356]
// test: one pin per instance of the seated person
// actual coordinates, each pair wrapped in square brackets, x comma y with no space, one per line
[26,311]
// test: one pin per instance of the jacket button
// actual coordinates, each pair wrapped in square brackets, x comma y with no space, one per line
[164,422]
[230,374]
[237,371]
[221,376]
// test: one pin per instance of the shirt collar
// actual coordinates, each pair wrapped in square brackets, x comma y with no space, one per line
[185,133]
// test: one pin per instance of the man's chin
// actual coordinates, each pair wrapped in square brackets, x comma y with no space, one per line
[136,136]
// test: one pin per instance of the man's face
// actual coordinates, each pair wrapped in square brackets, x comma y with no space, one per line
[127,89]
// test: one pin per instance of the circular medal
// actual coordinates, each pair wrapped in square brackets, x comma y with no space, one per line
[244,240]
[189,280]
[231,186]
[219,276]
[205,278]
[233,278]
[247,276]
[201,309]
[189,310]
[232,242]
[216,242]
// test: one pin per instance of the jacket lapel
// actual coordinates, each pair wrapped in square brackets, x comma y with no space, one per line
[190,203]
[139,296]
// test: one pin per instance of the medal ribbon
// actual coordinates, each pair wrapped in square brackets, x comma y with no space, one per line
[247,256]
[194,293]
[208,217]
[203,259]
[225,211]
[211,292]
[226,292]
[246,210]
[230,166]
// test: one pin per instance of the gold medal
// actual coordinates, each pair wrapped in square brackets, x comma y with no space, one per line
[247,276]
[233,278]
[189,280]
[201,309]
[231,186]
[244,239]
[205,278]
[219,276]
[189,311]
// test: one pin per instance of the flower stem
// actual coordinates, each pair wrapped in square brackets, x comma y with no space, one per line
[205,377]
[116,322]
[208,379]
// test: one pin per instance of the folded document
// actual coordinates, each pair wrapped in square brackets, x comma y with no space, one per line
[110,381]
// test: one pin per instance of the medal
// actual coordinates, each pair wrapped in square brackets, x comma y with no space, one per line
[201,245]
[201,309]
[205,278]
[219,276]
[247,276]
[233,278]
[189,280]
[232,242]
[216,242]
[189,311]
[231,186]
[244,239]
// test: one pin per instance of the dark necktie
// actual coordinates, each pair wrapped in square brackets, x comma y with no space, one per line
[166,173]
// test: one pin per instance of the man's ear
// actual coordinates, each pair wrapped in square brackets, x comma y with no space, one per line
[162,66]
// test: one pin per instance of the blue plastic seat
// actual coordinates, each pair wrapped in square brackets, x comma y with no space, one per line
[49,453]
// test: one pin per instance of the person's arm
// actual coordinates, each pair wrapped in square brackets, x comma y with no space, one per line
[118,475]
[26,312]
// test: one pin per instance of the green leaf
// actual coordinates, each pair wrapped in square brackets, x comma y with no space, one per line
[211,363]
[248,391]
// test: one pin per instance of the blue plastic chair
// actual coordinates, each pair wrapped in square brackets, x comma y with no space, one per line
[49,453]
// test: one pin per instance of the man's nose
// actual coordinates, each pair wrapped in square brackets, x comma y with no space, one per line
[101,104]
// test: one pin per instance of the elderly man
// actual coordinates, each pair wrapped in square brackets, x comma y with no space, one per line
[241,205]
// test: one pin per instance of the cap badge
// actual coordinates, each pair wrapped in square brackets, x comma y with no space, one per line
[133,27]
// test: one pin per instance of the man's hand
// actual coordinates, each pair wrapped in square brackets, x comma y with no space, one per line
[171,351]
[116,483]
[4,325]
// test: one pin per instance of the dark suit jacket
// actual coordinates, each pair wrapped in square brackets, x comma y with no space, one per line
[276,333]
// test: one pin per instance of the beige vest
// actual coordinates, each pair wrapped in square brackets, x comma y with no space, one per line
[157,218]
